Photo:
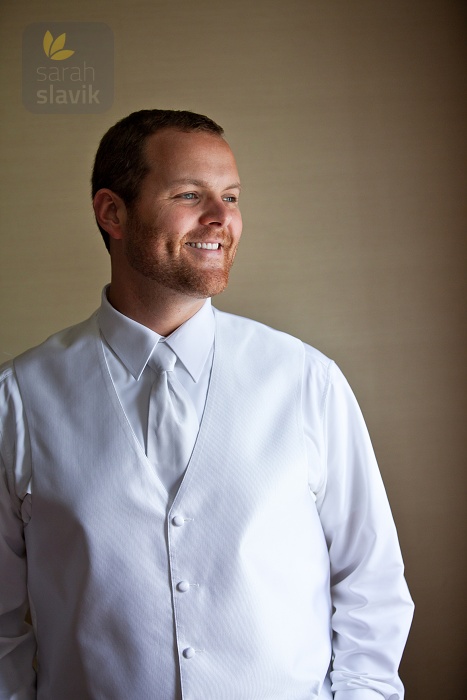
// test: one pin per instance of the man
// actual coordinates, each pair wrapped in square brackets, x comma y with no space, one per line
[248,553]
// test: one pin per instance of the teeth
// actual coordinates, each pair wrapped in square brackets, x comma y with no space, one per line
[205,246]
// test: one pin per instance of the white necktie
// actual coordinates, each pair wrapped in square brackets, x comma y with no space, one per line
[172,421]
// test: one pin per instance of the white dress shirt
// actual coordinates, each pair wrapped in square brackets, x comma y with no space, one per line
[127,348]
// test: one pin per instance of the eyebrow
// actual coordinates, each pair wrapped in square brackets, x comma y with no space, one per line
[202,183]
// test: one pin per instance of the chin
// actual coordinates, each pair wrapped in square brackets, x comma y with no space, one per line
[200,284]
[203,290]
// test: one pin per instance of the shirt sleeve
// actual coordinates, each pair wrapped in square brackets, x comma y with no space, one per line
[372,608]
[17,643]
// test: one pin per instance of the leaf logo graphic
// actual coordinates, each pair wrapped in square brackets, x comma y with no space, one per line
[54,47]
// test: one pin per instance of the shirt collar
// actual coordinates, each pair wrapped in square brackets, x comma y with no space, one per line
[134,343]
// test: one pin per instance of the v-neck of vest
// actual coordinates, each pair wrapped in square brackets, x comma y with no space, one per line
[206,419]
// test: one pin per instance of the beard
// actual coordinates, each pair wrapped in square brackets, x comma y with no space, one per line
[174,268]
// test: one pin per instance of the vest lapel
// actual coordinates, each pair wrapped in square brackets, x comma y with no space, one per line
[123,420]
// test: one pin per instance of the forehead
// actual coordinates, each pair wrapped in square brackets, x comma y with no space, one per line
[172,154]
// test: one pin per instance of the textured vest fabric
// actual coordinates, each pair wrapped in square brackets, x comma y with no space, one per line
[107,554]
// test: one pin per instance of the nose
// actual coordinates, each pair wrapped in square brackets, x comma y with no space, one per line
[216,213]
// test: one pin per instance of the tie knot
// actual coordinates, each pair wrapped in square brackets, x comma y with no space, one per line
[163,358]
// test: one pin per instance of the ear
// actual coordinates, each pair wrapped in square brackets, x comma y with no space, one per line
[111,213]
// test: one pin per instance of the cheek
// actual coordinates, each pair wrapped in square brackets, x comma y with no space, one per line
[177,222]
[237,225]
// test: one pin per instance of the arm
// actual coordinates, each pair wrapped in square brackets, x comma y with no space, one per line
[371,603]
[17,644]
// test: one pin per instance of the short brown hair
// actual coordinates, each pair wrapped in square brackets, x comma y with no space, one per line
[119,164]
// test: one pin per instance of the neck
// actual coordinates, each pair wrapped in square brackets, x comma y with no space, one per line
[160,309]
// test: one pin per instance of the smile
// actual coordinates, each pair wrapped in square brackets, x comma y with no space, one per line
[205,246]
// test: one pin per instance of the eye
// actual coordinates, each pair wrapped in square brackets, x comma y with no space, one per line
[188,195]
[230,198]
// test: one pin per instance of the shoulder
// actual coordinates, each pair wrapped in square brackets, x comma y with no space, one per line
[250,327]
[246,329]
[273,343]
[59,342]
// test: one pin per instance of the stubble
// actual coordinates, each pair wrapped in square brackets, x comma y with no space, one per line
[173,267]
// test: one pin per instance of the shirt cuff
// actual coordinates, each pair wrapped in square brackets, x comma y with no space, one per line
[361,694]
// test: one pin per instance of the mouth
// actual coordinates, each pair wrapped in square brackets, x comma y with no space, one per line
[204,246]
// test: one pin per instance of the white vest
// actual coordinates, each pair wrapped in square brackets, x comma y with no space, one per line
[211,600]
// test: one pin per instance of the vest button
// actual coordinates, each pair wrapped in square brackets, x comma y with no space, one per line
[178,521]
[189,652]
[183,586]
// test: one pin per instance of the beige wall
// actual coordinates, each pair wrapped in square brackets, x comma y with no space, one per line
[347,117]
